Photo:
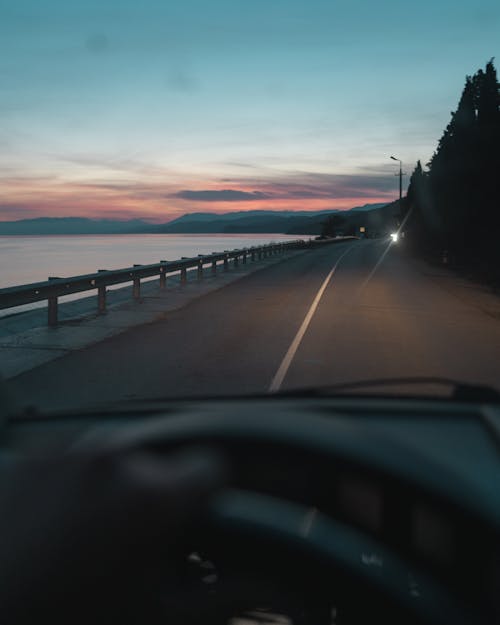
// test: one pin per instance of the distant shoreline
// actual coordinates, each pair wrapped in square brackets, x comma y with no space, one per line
[252,222]
[155,234]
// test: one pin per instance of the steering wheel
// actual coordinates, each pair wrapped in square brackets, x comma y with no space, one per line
[321,510]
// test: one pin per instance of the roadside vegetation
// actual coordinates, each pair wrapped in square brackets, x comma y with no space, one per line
[452,207]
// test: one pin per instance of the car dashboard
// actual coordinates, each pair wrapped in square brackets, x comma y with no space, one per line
[410,484]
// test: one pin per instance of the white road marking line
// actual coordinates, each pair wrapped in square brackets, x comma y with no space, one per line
[287,360]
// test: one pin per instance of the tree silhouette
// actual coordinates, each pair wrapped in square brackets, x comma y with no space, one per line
[330,227]
[451,174]
[455,205]
[488,138]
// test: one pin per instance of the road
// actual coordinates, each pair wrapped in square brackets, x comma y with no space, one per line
[321,317]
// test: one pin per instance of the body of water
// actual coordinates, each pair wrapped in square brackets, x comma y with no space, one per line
[26,259]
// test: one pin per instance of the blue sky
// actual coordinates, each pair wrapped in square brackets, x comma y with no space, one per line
[118,108]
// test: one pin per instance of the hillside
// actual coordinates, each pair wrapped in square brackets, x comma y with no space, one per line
[73,225]
[255,221]
[259,221]
[378,219]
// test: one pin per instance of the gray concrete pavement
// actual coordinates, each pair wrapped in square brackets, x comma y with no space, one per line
[406,320]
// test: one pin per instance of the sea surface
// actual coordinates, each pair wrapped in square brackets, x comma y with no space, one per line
[27,259]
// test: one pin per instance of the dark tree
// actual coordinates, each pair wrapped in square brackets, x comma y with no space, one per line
[455,206]
[331,226]
[487,96]
[452,176]
[420,220]
[488,138]
[415,178]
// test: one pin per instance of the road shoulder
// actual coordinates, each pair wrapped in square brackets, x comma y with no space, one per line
[27,342]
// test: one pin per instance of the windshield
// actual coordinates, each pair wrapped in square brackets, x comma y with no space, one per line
[234,198]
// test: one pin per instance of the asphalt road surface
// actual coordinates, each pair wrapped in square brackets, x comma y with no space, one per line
[336,314]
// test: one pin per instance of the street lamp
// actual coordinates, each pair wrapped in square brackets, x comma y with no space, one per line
[400,179]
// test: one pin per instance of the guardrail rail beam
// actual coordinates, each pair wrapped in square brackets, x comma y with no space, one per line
[55,287]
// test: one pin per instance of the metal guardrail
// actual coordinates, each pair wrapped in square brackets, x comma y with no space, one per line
[54,287]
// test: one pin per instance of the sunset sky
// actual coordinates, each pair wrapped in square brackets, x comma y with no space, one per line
[156,108]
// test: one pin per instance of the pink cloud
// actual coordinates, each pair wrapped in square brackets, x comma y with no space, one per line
[160,201]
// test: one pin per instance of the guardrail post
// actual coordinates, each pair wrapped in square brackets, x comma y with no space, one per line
[51,292]
[52,311]
[136,290]
[163,275]
[52,307]
[101,296]
[200,269]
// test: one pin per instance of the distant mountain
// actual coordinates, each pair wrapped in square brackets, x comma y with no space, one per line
[74,225]
[373,217]
[367,207]
[241,222]
[254,221]
[225,217]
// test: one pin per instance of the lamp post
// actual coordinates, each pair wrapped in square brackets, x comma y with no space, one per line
[400,179]
[399,217]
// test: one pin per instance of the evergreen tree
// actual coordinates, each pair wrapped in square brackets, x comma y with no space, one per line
[488,99]
[452,174]
[488,137]
[330,227]
[420,227]
[415,182]
[456,205]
